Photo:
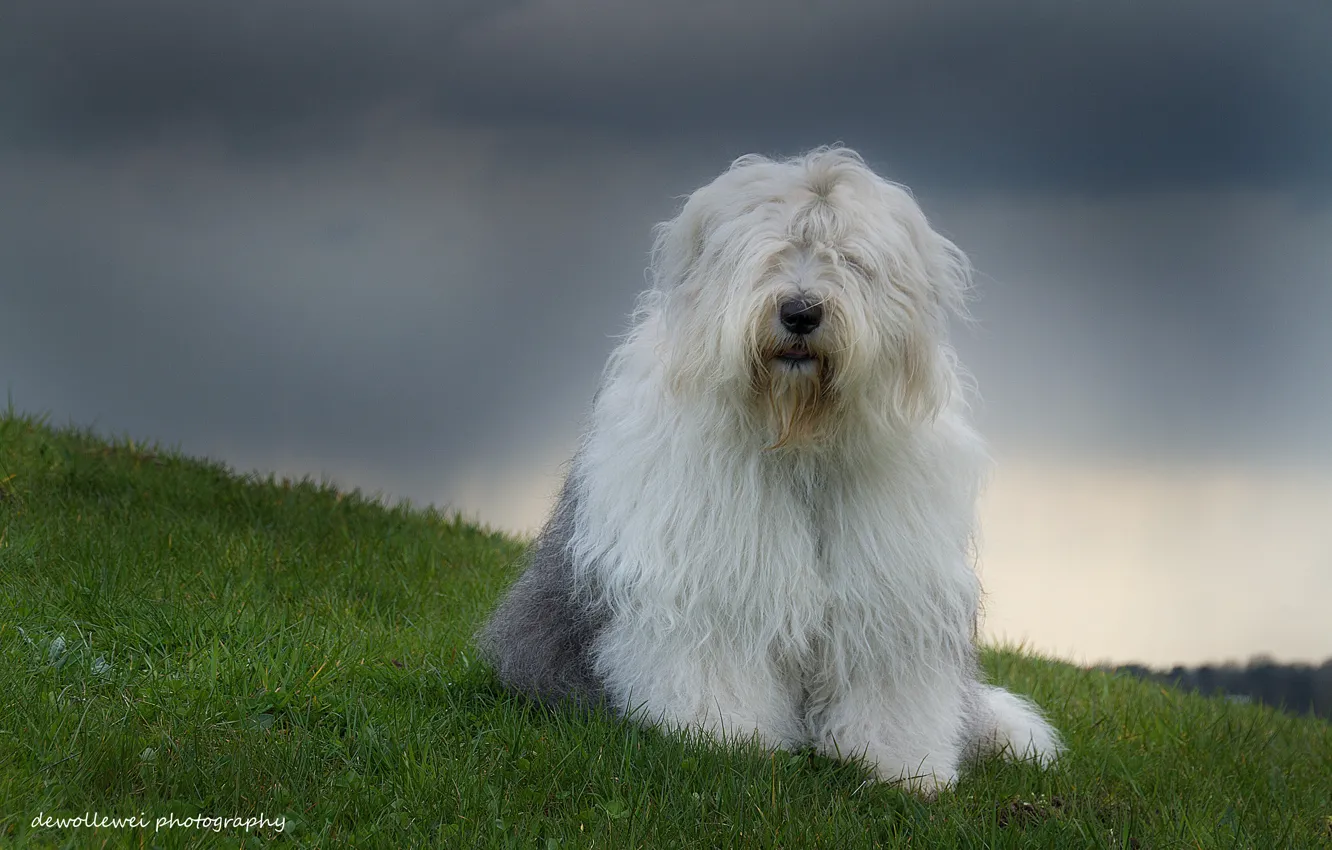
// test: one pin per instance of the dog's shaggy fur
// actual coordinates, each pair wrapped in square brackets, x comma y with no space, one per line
[767,527]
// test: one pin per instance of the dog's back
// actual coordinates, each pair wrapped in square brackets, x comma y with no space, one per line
[540,636]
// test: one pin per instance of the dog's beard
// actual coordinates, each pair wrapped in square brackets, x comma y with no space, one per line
[793,384]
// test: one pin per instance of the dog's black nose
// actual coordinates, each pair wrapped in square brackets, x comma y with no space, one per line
[800,316]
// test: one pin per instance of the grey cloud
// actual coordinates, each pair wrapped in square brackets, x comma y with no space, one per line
[412,305]
[432,301]
[82,74]
[1172,326]
[1037,94]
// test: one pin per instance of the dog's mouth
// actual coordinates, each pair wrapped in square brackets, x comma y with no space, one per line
[795,355]
[795,359]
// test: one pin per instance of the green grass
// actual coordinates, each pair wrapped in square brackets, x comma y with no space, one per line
[176,640]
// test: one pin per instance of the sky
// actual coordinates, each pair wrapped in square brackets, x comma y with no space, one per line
[392,244]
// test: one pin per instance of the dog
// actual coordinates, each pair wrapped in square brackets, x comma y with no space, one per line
[766,530]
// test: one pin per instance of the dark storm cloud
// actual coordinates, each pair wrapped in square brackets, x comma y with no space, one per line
[83,74]
[1037,93]
[396,315]
[1178,327]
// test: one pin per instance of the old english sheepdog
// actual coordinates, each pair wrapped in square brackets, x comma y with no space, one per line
[767,527]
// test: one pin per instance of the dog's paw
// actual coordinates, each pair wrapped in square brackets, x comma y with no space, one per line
[922,781]
[927,786]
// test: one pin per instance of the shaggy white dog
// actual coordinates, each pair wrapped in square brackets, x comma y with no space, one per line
[767,527]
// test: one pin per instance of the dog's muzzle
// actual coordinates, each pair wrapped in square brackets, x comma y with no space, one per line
[799,317]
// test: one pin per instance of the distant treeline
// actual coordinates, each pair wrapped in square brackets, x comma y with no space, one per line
[1300,688]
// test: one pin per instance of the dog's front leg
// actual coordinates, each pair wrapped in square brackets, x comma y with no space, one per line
[908,732]
[670,678]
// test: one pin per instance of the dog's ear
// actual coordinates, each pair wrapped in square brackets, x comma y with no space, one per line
[950,274]
[681,281]
[922,385]
[678,245]
[927,379]
[946,269]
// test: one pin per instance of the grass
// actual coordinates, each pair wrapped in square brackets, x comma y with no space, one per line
[179,641]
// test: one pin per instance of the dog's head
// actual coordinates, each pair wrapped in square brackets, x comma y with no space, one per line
[806,288]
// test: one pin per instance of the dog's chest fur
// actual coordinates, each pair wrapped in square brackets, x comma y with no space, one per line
[880,569]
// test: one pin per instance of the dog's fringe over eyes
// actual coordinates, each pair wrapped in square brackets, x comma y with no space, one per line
[767,528]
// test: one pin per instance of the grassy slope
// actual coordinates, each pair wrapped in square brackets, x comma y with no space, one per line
[233,646]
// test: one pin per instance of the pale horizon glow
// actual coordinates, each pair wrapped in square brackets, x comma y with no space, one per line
[1161,566]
